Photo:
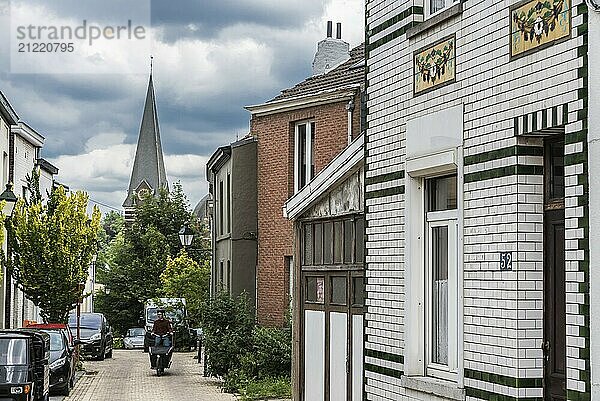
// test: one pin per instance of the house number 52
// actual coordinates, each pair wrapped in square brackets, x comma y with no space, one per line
[505,260]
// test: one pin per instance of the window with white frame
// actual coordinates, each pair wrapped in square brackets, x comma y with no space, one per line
[433,7]
[304,166]
[441,277]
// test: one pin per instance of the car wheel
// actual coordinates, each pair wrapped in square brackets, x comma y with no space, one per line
[109,355]
[101,356]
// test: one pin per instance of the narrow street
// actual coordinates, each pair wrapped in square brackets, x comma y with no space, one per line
[127,377]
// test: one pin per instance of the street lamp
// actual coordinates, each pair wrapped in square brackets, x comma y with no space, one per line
[186,235]
[10,200]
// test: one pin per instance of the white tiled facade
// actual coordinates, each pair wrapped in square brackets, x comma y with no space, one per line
[500,169]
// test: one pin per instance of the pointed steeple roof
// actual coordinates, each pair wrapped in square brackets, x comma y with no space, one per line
[148,172]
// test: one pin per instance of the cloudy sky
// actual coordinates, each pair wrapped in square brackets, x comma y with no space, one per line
[211,58]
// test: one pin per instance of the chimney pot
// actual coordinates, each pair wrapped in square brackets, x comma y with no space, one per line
[339,30]
[329,29]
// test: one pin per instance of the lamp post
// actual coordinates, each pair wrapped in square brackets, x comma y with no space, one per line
[94,258]
[10,200]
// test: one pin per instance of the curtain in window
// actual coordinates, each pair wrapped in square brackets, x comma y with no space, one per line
[436,5]
[439,296]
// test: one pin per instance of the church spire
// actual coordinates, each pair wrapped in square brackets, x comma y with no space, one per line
[148,174]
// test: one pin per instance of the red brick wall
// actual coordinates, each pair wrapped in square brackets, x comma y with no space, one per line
[275,135]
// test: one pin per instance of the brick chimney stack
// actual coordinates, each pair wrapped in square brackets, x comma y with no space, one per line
[330,52]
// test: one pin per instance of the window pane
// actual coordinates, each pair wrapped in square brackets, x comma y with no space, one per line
[338,290]
[302,138]
[436,5]
[358,287]
[557,188]
[312,156]
[327,243]
[318,244]
[315,291]
[442,193]
[308,245]
[348,241]
[439,295]
[338,242]
[360,232]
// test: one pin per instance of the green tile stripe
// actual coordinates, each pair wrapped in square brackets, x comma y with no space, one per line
[378,179]
[389,37]
[488,395]
[518,169]
[386,356]
[516,150]
[504,380]
[394,20]
[384,371]
[583,201]
[380,193]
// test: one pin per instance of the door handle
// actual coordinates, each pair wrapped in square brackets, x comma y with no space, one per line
[546,349]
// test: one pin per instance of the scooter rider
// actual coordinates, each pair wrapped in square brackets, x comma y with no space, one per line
[163,329]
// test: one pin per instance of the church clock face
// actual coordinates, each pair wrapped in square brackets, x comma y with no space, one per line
[143,192]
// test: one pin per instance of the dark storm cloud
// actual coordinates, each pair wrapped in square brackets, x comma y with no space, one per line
[205,18]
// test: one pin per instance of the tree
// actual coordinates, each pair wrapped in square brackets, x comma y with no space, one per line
[52,245]
[185,278]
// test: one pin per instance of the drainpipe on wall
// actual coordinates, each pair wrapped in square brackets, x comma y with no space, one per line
[350,108]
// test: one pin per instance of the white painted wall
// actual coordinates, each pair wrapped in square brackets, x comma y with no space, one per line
[594,177]
[338,333]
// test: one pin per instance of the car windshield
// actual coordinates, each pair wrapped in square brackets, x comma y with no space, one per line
[13,351]
[135,332]
[56,341]
[151,315]
[88,321]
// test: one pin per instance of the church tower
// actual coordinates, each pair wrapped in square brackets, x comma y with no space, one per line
[148,174]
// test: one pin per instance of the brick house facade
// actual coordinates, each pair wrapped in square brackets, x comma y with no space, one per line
[322,100]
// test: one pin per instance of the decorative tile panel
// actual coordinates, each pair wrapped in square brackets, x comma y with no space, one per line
[435,65]
[538,23]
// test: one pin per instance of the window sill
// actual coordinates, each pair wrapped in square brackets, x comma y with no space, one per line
[437,387]
[456,9]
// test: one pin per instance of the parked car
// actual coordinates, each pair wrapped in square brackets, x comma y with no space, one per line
[24,365]
[134,338]
[63,358]
[95,334]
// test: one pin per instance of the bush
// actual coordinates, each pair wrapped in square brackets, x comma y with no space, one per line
[253,361]
[271,353]
[227,327]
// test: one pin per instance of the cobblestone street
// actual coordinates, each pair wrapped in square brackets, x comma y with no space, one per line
[127,377]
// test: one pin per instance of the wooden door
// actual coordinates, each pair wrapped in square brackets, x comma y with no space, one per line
[555,333]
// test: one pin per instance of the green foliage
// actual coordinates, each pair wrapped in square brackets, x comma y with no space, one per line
[136,255]
[136,261]
[52,246]
[268,388]
[271,353]
[227,325]
[118,343]
[185,278]
[253,361]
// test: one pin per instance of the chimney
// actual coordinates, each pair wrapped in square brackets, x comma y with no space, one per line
[330,52]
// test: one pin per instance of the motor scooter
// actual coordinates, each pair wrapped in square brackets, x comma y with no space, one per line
[160,355]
